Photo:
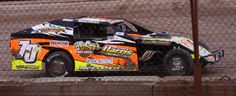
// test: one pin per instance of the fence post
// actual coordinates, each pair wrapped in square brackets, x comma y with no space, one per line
[195,32]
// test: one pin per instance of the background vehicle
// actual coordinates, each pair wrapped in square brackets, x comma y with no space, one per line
[99,44]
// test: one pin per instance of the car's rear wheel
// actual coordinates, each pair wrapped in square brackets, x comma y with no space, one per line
[178,62]
[59,64]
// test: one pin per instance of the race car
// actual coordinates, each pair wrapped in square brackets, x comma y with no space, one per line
[86,44]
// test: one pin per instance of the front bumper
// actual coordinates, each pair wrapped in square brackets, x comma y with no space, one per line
[215,56]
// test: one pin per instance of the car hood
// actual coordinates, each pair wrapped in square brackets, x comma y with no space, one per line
[185,42]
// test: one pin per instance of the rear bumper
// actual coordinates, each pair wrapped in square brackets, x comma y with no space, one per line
[215,56]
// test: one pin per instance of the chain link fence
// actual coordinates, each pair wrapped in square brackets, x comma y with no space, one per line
[160,16]
[217,24]
[217,30]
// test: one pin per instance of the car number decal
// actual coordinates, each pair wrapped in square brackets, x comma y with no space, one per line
[28,51]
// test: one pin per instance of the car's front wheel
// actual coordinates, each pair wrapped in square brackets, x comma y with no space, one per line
[178,62]
[59,64]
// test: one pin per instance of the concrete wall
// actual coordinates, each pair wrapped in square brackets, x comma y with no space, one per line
[161,87]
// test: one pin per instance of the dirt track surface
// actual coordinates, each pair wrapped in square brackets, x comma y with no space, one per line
[217,22]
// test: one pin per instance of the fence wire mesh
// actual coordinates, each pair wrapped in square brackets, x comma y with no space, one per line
[217,30]
[217,25]
[160,16]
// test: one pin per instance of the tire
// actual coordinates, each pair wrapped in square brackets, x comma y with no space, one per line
[178,62]
[59,64]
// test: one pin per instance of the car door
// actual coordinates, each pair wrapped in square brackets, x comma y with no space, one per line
[104,48]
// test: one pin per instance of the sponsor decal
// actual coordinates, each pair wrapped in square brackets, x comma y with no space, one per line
[117,52]
[120,33]
[18,64]
[186,43]
[28,51]
[164,43]
[52,30]
[154,39]
[100,61]
[104,68]
[203,51]
[84,66]
[27,67]
[97,20]
[88,20]
[85,49]
[59,43]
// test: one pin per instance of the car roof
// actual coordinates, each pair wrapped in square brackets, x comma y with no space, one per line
[96,20]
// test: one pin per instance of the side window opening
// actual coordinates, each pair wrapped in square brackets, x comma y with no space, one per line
[91,31]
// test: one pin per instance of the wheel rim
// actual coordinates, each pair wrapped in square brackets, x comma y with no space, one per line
[58,67]
[177,65]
